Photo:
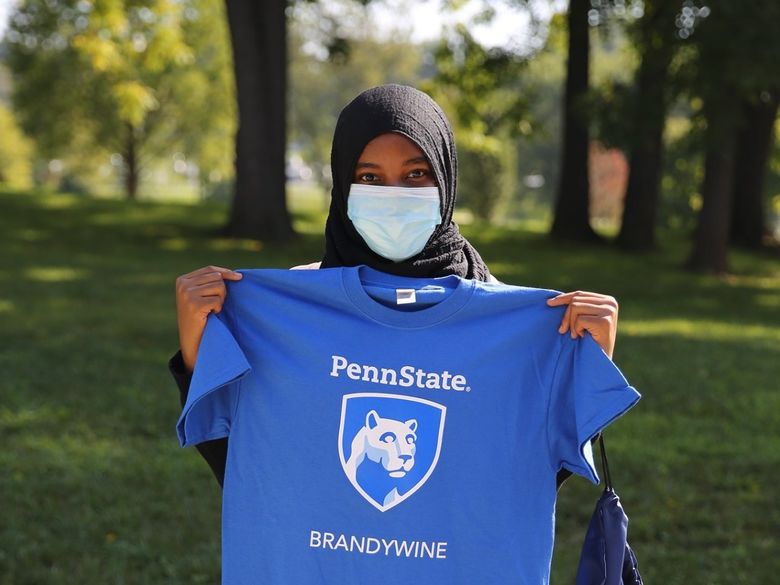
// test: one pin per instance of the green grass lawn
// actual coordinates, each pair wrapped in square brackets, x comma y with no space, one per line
[94,487]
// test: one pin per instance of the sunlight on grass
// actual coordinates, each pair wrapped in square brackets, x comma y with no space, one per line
[77,446]
[54,273]
[534,225]
[129,216]
[308,203]
[226,244]
[310,225]
[6,306]
[57,201]
[40,418]
[770,301]
[174,244]
[30,235]
[767,281]
[216,244]
[698,329]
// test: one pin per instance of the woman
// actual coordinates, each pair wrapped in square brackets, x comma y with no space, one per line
[390,144]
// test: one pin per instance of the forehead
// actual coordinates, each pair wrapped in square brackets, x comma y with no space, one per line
[390,147]
[389,424]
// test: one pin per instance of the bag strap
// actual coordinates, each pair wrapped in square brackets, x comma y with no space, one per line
[605,463]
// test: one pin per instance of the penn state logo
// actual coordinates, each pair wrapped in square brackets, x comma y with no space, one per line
[389,445]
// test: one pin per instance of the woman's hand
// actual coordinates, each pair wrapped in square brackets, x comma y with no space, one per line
[592,311]
[197,294]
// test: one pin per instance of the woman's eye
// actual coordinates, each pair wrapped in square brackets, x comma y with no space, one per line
[418,173]
[368,178]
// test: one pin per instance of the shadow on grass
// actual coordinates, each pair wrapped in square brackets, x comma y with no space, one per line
[648,286]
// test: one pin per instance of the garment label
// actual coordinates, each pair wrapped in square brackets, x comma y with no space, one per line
[405,296]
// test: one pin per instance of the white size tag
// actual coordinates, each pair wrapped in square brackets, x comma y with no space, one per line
[405,296]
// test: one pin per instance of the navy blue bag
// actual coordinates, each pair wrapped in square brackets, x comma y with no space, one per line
[606,558]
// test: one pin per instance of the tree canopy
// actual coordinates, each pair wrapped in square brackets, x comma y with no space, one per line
[138,78]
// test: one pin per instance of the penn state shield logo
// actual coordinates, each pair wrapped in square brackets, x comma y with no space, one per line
[389,445]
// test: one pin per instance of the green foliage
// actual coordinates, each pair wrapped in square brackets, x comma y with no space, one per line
[206,112]
[612,100]
[773,177]
[682,171]
[323,83]
[738,46]
[479,85]
[15,153]
[145,77]
[482,174]
[479,88]
[734,56]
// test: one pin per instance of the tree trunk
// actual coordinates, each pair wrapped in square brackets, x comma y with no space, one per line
[258,32]
[131,163]
[710,245]
[640,210]
[571,206]
[754,145]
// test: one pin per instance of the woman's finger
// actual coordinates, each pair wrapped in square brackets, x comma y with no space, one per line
[562,298]
[567,315]
[204,278]
[589,322]
[204,305]
[580,310]
[209,289]
[580,303]
[224,272]
[565,321]
[565,298]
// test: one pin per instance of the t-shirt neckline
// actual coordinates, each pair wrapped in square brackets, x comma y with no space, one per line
[353,278]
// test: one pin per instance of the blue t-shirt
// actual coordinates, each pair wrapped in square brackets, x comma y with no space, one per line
[393,430]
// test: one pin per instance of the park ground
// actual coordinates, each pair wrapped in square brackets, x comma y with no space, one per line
[94,487]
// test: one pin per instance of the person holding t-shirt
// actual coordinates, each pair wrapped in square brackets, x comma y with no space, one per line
[394,170]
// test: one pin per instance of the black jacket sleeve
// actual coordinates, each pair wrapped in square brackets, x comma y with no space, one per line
[214,452]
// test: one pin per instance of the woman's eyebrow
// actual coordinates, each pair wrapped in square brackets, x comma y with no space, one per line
[411,161]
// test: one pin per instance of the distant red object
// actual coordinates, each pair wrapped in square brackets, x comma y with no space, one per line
[608,170]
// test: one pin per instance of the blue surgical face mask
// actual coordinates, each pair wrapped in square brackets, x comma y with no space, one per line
[395,222]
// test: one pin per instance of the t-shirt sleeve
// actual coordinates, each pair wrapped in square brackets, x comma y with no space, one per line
[588,393]
[213,393]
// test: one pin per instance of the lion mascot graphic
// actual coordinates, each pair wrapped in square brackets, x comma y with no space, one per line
[382,452]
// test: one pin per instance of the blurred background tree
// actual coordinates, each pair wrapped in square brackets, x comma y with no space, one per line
[571,216]
[481,88]
[124,78]
[258,31]
[655,39]
[733,73]
[15,153]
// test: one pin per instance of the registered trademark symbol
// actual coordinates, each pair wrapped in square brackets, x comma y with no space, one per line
[468,388]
